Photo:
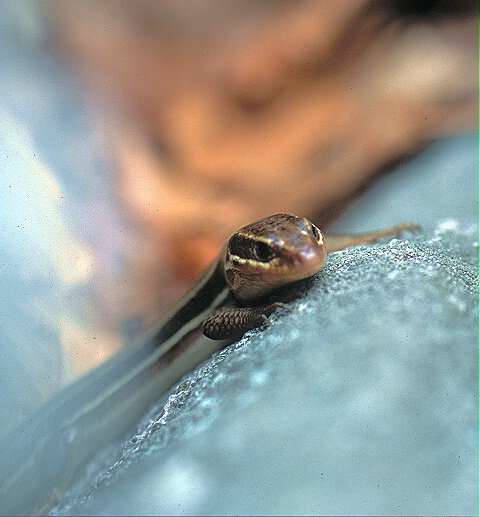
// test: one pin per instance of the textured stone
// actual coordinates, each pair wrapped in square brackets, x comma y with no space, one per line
[360,399]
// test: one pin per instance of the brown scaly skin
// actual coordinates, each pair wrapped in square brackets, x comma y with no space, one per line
[262,257]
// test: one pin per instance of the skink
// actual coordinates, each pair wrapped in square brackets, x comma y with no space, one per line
[254,274]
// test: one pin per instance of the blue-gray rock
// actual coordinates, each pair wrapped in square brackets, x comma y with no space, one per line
[361,399]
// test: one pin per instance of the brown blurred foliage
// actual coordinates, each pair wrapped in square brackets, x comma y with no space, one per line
[238,109]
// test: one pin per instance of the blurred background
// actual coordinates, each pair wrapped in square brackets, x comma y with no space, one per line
[136,136]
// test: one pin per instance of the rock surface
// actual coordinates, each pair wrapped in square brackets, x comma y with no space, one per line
[361,400]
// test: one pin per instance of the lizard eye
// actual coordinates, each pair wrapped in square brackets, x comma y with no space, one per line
[263,252]
[315,232]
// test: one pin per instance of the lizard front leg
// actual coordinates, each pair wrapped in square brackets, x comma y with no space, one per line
[233,321]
